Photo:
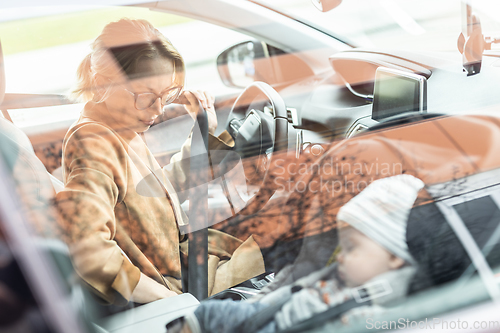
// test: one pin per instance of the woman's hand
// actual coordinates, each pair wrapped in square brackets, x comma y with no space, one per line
[190,97]
[148,290]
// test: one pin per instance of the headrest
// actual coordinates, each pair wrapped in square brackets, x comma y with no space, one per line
[15,134]
[2,76]
[432,242]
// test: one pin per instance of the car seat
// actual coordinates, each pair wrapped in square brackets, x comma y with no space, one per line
[34,195]
[440,254]
[35,187]
[20,145]
[20,140]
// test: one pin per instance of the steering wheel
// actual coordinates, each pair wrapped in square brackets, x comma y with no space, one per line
[258,122]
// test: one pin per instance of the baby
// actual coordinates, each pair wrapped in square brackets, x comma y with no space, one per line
[373,267]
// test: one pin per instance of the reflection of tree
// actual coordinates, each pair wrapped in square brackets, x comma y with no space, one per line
[310,209]
[304,221]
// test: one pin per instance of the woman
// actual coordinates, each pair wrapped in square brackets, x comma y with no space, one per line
[119,217]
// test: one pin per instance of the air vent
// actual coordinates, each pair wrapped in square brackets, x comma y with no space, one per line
[359,128]
[291,114]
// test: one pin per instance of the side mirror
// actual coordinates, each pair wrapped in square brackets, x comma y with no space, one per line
[236,65]
[247,62]
[326,5]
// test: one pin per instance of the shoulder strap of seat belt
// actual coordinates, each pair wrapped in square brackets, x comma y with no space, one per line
[261,318]
[266,315]
[322,317]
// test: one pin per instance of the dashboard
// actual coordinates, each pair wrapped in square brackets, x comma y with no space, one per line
[338,104]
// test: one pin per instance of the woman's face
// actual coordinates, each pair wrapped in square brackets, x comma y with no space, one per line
[121,102]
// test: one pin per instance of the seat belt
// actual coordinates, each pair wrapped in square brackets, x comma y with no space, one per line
[261,318]
[266,315]
[198,209]
[321,318]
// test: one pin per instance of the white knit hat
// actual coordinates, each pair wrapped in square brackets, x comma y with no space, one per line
[381,212]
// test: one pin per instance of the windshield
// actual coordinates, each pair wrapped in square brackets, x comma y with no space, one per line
[413,25]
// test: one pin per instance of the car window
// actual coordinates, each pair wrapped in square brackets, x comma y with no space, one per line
[458,263]
[43,52]
[452,234]
[425,25]
[451,276]
[453,227]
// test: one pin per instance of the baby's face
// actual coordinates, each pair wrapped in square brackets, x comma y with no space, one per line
[361,259]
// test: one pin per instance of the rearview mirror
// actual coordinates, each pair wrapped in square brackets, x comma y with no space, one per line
[326,5]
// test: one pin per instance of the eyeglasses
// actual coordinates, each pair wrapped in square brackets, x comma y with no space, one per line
[145,100]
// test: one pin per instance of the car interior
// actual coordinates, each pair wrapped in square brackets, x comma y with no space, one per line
[283,121]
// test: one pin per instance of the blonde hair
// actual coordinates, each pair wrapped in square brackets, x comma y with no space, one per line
[125,42]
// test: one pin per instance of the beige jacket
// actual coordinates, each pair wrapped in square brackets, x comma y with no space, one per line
[119,222]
